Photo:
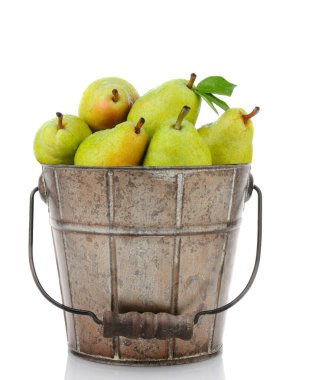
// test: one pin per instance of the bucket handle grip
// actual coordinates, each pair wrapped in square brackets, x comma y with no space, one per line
[148,325]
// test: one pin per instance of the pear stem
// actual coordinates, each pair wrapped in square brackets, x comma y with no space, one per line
[60,117]
[246,118]
[115,97]
[191,81]
[183,113]
[139,125]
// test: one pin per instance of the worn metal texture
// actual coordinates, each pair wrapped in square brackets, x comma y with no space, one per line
[158,240]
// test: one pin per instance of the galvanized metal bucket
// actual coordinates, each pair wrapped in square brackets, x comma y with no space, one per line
[145,252]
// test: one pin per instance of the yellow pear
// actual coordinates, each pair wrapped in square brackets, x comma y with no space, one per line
[123,145]
[106,102]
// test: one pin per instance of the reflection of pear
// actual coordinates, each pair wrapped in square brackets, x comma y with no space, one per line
[164,102]
[58,139]
[177,143]
[123,145]
[230,137]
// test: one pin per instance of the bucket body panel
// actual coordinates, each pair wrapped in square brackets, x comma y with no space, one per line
[200,266]
[144,271]
[61,257]
[136,239]
[224,281]
[88,264]
[143,199]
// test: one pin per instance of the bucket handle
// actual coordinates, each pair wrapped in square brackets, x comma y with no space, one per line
[149,325]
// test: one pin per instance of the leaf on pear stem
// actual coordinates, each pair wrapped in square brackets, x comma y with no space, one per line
[208,101]
[220,103]
[216,85]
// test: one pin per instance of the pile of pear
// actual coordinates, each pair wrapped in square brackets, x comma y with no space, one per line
[117,127]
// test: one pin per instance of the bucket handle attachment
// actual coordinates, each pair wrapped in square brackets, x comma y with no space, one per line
[149,325]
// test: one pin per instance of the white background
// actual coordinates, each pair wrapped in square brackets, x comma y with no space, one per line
[50,51]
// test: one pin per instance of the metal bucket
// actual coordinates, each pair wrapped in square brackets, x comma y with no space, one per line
[145,253]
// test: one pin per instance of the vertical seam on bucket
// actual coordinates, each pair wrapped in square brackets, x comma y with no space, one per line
[179,201]
[176,258]
[113,258]
[210,342]
[66,259]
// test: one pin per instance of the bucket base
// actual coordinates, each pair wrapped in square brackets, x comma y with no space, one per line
[146,363]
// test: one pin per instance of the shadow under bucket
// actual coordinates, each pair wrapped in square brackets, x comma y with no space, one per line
[148,254]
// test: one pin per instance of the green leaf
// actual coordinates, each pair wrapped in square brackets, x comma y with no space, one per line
[216,85]
[220,103]
[208,100]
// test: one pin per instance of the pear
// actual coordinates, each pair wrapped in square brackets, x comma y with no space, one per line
[164,102]
[177,143]
[58,139]
[230,137]
[123,145]
[106,102]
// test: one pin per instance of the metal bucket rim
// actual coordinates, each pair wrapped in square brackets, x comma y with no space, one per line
[150,168]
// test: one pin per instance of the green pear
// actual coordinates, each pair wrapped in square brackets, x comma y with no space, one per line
[230,137]
[106,102]
[123,145]
[164,102]
[58,139]
[177,143]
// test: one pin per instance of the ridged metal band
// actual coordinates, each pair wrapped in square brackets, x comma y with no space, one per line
[101,230]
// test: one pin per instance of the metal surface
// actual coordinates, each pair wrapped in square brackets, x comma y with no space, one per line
[256,264]
[35,276]
[147,363]
[144,240]
[118,324]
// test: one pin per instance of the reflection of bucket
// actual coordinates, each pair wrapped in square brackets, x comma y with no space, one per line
[78,369]
[145,240]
